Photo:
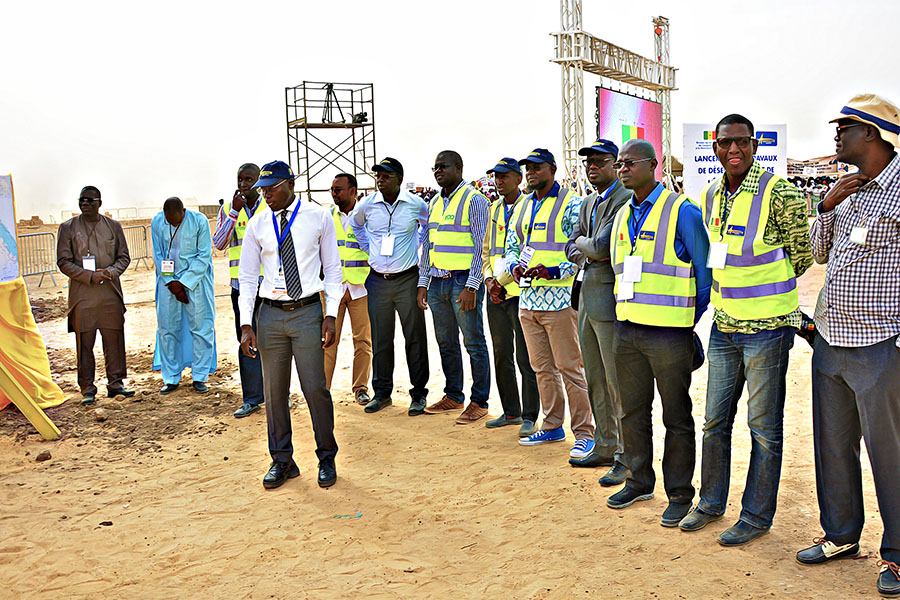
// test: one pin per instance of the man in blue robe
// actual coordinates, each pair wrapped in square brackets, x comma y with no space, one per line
[185,299]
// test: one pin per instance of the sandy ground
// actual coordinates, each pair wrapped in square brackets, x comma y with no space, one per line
[164,498]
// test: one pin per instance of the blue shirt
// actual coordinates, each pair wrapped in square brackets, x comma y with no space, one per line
[691,241]
[373,217]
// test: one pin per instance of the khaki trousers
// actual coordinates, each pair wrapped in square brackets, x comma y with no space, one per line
[362,342]
[552,340]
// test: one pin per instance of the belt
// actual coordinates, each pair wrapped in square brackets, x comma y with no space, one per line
[293,304]
[410,271]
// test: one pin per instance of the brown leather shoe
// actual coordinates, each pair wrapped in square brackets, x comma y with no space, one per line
[472,413]
[444,405]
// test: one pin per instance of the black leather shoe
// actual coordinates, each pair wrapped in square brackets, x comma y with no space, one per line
[674,513]
[615,476]
[416,407]
[88,399]
[889,579]
[697,520]
[626,497]
[823,550]
[327,473]
[279,472]
[377,404]
[201,387]
[592,460]
[740,533]
[246,409]
[168,388]
[363,397]
[120,392]
[503,421]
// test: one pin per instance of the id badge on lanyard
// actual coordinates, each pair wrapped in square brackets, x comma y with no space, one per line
[89,262]
[168,267]
[278,283]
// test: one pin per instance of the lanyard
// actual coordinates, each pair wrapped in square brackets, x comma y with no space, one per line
[534,211]
[508,211]
[391,212]
[600,201]
[638,222]
[280,237]
[172,239]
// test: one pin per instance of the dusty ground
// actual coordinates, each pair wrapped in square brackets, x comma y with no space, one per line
[164,498]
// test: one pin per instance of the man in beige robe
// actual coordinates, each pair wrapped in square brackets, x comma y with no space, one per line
[91,251]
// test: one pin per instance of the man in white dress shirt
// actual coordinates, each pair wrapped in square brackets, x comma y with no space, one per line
[294,242]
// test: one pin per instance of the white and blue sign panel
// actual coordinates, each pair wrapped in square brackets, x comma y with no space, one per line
[701,165]
[9,252]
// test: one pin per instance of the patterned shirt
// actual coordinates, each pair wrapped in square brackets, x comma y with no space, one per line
[860,302]
[787,226]
[544,297]
[479,213]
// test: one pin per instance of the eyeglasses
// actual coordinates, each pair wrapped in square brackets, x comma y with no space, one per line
[83,199]
[268,189]
[743,142]
[440,167]
[597,162]
[335,190]
[840,128]
[627,164]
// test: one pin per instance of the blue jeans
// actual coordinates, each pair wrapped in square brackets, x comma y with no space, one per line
[250,367]
[760,360]
[449,320]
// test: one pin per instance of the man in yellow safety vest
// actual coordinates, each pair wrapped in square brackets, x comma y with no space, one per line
[230,226]
[355,301]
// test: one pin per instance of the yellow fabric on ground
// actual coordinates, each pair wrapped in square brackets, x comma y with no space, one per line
[23,354]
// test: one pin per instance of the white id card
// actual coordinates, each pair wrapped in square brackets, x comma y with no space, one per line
[387,245]
[858,235]
[168,267]
[525,256]
[279,284]
[626,291]
[718,252]
[632,270]
[89,263]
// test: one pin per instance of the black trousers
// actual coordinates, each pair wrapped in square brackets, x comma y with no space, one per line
[663,354]
[509,343]
[113,355]
[387,296]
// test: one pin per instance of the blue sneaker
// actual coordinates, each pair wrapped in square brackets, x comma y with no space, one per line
[542,437]
[581,448]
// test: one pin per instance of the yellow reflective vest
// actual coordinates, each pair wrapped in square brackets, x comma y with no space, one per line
[237,237]
[497,247]
[354,260]
[758,281]
[666,294]
[544,233]
[450,236]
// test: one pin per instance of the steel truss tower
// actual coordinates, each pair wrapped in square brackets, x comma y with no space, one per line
[577,51]
[330,129]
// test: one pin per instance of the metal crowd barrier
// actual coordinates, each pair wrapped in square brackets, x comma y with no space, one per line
[138,247]
[37,254]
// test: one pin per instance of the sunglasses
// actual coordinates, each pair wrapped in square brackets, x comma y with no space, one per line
[627,164]
[841,128]
[743,142]
[596,162]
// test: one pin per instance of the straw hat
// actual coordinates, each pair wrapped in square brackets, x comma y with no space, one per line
[876,111]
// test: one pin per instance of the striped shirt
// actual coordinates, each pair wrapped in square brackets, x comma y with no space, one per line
[225,223]
[545,297]
[860,302]
[479,214]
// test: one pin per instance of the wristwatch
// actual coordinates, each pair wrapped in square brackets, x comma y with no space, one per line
[473,290]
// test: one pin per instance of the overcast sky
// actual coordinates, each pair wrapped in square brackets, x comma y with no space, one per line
[154,99]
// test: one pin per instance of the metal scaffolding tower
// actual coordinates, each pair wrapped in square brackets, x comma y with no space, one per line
[330,129]
[577,51]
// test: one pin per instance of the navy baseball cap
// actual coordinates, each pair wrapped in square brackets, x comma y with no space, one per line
[273,172]
[506,165]
[539,155]
[389,164]
[601,145]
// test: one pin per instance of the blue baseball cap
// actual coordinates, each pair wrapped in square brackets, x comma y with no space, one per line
[601,145]
[506,165]
[389,164]
[273,172]
[539,155]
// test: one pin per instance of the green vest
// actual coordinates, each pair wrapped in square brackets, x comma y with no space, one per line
[547,237]
[497,243]
[237,237]
[354,261]
[667,292]
[451,246]
[758,281]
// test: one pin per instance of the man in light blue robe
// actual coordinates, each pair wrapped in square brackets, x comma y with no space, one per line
[185,299]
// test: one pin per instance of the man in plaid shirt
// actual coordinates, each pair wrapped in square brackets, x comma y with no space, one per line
[856,359]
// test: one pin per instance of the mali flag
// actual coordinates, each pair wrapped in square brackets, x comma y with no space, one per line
[632,132]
